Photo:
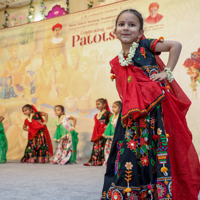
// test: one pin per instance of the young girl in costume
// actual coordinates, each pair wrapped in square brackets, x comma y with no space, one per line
[152,155]
[39,146]
[101,120]
[110,129]
[3,143]
[68,139]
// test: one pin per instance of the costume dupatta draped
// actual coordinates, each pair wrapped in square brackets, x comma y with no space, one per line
[139,96]
[99,127]
[34,127]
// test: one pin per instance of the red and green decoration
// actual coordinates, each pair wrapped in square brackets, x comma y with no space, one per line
[43,9]
[5,25]
[67,9]
[90,4]
[31,11]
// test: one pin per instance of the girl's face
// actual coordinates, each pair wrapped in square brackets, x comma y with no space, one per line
[115,108]
[58,111]
[128,28]
[100,105]
[27,111]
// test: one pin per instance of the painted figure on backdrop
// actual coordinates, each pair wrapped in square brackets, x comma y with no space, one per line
[193,70]
[44,79]
[57,34]
[60,80]
[15,78]
[80,88]
[39,146]
[57,43]
[53,81]
[97,71]
[154,16]
[101,120]
[3,143]
[66,137]
[16,141]
[75,55]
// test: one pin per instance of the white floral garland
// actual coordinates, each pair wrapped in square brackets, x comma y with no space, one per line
[99,115]
[114,120]
[59,120]
[170,77]
[30,118]
[126,62]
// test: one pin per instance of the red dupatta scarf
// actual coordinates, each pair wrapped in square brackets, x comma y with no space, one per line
[34,127]
[139,97]
[183,156]
[99,127]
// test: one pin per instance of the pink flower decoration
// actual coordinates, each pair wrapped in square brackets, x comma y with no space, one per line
[13,16]
[56,11]
[21,16]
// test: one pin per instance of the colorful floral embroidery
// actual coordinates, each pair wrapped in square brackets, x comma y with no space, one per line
[159,131]
[130,122]
[142,141]
[109,194]
[128,176]
[161,190]
[128,165]
[152,121]
[143,52]
[116,195]
[144,194]
[128,134]
[133,196]
[132,145]
[144,161]
[120,151]
[129,79]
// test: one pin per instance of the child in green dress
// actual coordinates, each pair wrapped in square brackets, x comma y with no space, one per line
[110,129]
[3,143]
[66,136]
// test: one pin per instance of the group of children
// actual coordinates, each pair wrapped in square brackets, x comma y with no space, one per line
[152,155]
[39,148]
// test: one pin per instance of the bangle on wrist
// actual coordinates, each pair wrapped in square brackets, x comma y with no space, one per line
[170,77]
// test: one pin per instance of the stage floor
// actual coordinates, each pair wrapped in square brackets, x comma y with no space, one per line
[52,182]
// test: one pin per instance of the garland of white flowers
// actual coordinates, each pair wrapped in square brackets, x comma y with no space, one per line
[170,77]
[126,62]
[59,120]
[114,120]
[99,115]
[30,117]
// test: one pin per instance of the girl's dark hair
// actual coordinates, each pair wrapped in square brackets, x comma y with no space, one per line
[27,106]
[61,107]
[102,100]
[135,12]
[118,103]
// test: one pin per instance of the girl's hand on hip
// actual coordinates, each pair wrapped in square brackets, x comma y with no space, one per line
[160,76]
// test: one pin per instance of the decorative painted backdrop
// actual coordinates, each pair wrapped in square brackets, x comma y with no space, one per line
[64,61]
